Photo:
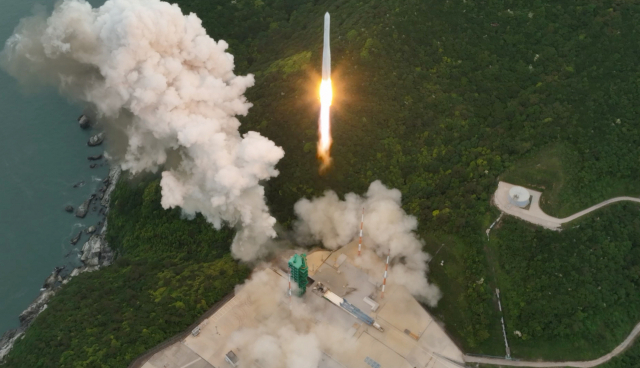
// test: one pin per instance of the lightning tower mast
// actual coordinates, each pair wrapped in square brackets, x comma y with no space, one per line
[361,225]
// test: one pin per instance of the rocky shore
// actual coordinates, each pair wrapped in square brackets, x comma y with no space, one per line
[95,254]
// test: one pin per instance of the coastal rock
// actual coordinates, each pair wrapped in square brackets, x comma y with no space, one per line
[76,238]
[96,140]
[91,230]
[50,282]
[96,251]
[92,166]
[95,254]
[69,208]
[84,121]
[114,176]
[8,339]
[91,251]
[26,318]
[36,307]
[94,158]
[79,184]
[84,208]
[28,315]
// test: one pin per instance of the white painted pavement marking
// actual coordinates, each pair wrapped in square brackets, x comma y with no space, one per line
[191,363]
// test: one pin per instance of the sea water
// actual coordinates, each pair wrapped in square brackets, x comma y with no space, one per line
[43,153]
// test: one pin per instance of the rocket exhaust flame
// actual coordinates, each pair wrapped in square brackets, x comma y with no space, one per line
[326,95]
[324,145]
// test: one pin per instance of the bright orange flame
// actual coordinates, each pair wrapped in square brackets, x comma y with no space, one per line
[324,145]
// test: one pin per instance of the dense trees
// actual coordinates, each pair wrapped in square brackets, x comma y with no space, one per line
[169,272]
[438,99]
[573,291]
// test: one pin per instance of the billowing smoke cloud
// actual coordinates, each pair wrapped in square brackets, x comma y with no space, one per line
[287,335]
[388,230]
[166,93]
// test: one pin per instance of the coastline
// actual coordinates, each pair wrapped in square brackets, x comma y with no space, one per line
[94,254]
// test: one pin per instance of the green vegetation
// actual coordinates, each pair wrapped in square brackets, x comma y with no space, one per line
[573,291]
[439,99]
[548,169]
[629,358]
[543,172]
[169,273]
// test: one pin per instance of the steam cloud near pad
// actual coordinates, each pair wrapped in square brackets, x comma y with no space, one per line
[387,228]
[167,96]
[291,340]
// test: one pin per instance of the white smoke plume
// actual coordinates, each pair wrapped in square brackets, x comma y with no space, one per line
[166,94]
[387,230]
[287,335]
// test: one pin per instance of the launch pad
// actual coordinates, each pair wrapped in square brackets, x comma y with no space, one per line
[408,337]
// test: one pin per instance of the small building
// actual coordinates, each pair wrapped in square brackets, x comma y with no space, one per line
[374,305]
[231,358]
[519,196]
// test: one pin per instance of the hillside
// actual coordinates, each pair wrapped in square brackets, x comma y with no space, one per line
[169,272]
[440,99]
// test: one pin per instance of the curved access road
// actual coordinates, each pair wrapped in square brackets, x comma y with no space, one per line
[584,364]
[535,215]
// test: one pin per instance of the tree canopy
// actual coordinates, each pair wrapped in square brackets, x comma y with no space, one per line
[439,99]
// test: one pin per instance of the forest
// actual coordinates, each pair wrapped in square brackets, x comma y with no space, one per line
[572,291]
[440,99]
[168,273]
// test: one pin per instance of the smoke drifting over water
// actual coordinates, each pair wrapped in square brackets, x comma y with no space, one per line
[168,99]
[166,93]
[387,228]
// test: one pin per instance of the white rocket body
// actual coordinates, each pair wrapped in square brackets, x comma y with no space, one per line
[326,51]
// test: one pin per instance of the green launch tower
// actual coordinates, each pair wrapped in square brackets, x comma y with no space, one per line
[299,271]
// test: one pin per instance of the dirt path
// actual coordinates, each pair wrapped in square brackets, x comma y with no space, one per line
[535,214]
[584,364]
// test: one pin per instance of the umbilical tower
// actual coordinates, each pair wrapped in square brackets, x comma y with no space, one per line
[299,271]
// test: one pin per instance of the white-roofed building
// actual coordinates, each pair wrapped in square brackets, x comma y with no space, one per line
[519,196]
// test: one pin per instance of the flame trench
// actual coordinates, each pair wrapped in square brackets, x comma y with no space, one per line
[324,145]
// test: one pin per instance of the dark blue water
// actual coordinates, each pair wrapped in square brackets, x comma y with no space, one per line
[43,153]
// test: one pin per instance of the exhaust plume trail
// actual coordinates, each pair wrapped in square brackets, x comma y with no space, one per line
[326,95]
[166,94]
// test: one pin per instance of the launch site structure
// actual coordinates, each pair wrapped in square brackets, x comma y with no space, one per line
[299,271]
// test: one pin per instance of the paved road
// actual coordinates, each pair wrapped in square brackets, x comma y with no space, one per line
[584,364]
[535,214]
[601,204]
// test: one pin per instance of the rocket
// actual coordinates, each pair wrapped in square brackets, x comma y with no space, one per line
[326,50]
[326,95]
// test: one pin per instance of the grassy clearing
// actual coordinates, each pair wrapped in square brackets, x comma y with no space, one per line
[447,269]
[541,171]
[553,170]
